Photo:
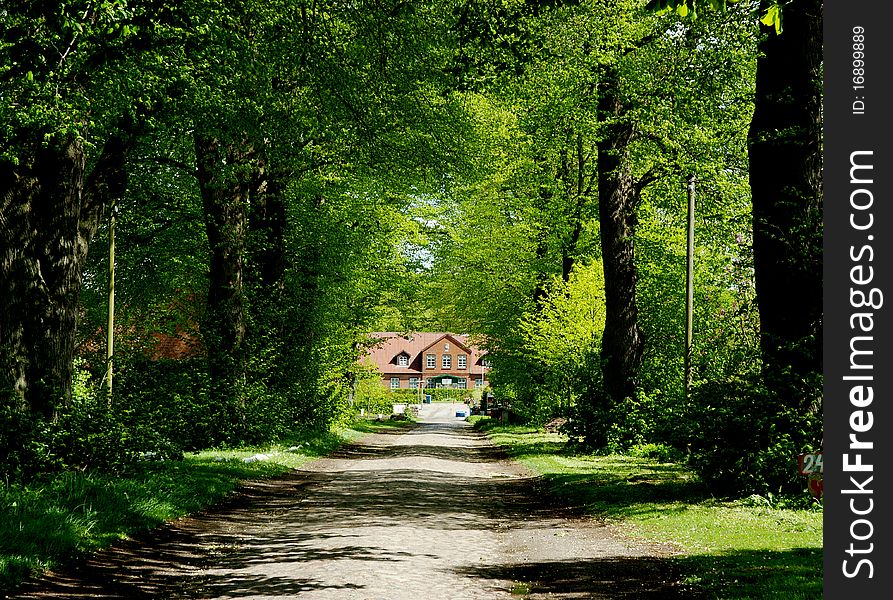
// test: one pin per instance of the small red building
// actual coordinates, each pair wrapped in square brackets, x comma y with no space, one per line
[410,361]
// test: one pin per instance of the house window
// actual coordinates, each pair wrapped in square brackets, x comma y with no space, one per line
[485,362]
[395,383]
[479,383]
[402,360]
[461,361]
[429,382]
[431,361]
[461,383]
[413,383]
[447,361]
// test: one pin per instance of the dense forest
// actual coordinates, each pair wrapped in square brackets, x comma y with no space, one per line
[205,206]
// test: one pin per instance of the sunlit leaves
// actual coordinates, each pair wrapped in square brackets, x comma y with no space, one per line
[771,16]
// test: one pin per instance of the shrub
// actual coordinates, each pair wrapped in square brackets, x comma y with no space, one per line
[659,452]
[25,445]
[747,441]
[373,397]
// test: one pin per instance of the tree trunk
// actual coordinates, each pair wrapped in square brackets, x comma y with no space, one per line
[622,341]
[785,153]
[581,198]
[267,223]
[541,286]
[224,185]
[50,210]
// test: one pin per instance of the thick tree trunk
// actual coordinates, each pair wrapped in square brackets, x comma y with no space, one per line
[224,185]
[271,311]
[622,341]
[49,210]
[785,152]
[267,223]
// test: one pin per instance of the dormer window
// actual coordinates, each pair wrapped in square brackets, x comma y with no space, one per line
[403,360]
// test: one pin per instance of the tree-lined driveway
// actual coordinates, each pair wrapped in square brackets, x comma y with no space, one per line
[433,512]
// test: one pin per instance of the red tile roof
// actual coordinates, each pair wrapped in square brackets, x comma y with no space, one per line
[179,346]
[384,354]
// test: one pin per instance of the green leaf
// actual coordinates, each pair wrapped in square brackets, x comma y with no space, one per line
[682,10]
[773,18]
[661,6]
[29,76]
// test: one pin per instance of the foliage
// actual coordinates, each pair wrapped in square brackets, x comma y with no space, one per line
[658,452]
[24,445]
[771,15]
[746,444]
[395,166]
[90,433]
[562,337]
[436,394]
[60,517]
[373,397]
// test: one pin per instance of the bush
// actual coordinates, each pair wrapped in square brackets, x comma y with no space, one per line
[600,425]
[170,397]
[25,445]
[658,452]
[90,432]
[96,432]
[479,421]
[373,397]
[746,441]
[437,395]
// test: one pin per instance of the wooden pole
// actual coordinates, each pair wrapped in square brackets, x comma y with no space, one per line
[689,282]
[110,327]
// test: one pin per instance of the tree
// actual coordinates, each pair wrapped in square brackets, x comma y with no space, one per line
[785,153]
[785,174]
[64,147]
[618,192]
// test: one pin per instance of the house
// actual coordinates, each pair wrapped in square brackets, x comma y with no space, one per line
[410,361]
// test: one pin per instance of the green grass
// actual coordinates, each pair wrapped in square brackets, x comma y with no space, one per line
[730,549]
[56,519]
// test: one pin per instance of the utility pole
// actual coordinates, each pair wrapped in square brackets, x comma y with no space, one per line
[689,283]
[110,327]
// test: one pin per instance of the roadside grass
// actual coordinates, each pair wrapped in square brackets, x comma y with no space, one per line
[727,549]
[54,520]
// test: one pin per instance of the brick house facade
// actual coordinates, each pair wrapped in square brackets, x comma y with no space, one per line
[427,359]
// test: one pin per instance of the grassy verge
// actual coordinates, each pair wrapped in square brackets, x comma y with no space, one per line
[49,522]
[729,549]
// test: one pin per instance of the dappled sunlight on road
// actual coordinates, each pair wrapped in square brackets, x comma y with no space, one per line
[434,512]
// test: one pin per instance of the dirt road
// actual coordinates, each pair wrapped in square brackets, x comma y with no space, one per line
[435,512]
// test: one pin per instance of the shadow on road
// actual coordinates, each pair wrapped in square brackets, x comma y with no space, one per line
[242,546]
[616,578]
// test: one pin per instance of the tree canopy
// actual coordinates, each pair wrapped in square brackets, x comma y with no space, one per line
[288,176]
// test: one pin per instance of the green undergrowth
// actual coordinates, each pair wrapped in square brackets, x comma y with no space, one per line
[729,549]
[60,517]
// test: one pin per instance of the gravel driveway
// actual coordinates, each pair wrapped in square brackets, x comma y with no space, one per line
[435,512]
